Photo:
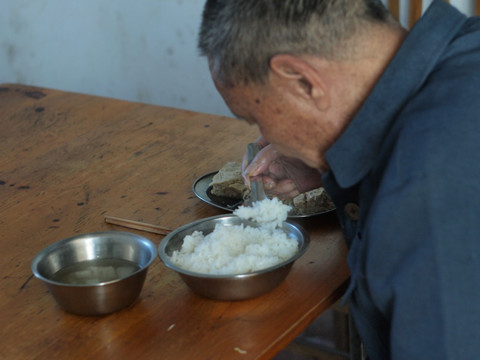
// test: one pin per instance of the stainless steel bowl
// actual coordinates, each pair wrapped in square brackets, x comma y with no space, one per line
[102,297]
[230,287]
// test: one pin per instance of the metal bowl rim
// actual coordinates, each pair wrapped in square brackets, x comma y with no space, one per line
[166,260]
[50,248]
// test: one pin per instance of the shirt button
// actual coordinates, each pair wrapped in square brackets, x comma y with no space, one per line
[352,211]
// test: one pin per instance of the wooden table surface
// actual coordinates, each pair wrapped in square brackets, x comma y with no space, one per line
[66,161]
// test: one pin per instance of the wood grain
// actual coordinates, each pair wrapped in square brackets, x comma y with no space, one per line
[415,12]
[67,160]
[394,6]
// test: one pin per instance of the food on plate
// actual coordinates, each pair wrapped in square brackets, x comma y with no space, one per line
[240,249]
[311,202]
[228,182]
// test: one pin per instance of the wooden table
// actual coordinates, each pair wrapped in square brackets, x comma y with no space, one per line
[66,161]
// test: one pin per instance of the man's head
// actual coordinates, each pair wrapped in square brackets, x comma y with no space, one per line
[296,68]
[239,37]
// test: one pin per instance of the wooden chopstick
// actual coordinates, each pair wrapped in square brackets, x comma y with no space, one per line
[132,224]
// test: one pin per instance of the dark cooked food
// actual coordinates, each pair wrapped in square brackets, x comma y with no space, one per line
[311,202]
[228,183]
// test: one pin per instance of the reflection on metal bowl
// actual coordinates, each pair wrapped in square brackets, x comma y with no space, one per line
[95,295]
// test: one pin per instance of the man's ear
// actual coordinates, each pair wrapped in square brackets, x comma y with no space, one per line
[302,77]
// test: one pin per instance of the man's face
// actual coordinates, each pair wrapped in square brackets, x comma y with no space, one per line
[288,124]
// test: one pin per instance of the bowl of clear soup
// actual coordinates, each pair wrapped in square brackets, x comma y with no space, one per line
[96,273]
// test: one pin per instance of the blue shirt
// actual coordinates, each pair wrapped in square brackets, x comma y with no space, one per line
[405,178]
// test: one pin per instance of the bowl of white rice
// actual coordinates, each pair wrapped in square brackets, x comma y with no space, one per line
[236,256]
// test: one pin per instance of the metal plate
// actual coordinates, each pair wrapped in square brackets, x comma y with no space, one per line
[202,189]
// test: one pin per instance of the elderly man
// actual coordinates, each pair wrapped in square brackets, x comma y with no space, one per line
[389,122]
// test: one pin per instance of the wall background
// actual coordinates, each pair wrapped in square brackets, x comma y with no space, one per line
[135,50]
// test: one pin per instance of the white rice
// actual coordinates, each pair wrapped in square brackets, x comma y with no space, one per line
[269,213]
[240,249]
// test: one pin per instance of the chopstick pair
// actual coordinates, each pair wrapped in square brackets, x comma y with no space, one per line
[137,225]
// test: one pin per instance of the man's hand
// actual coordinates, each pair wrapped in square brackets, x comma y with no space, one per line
[283,177]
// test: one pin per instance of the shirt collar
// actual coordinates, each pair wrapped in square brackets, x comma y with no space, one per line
[352,156]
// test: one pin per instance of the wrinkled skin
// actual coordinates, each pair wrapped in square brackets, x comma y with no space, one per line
[284,177]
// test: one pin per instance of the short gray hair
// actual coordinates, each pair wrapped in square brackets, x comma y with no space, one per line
[239,37]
